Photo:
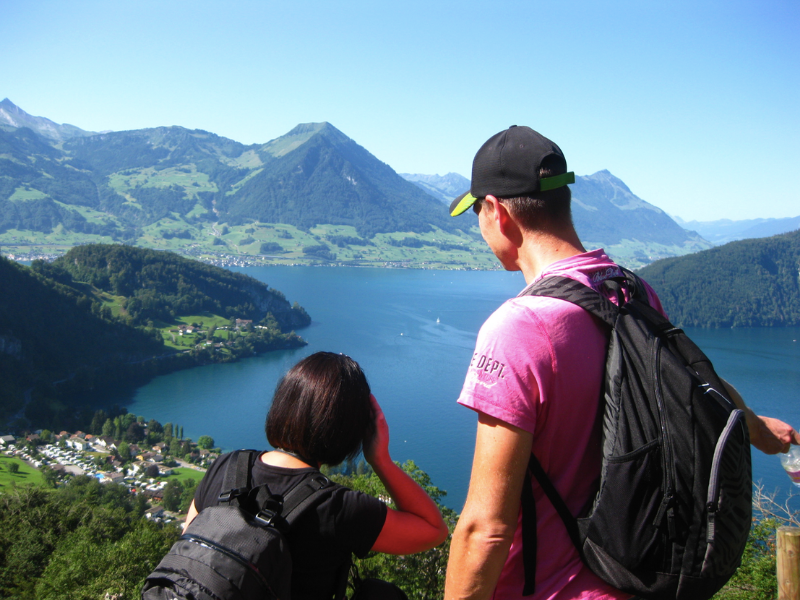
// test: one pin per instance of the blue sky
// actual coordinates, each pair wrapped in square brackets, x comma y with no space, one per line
[694,105]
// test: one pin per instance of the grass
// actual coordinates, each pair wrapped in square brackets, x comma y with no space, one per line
[189,340]
[475,254]
[183,473]
[26,473]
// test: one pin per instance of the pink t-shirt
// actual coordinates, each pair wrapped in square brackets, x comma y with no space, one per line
[538,365]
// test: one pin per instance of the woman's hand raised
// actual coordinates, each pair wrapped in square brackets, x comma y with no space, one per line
[377,450]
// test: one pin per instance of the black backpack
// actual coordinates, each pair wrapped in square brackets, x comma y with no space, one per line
[236,549]
[672,513]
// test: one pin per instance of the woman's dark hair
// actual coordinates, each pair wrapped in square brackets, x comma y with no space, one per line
[321,410]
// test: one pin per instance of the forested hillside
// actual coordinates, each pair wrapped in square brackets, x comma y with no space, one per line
[103,315]
[162,285]
[50,331]
[749,283]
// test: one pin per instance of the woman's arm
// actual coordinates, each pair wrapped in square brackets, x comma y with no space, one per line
[417,524]
[190,515]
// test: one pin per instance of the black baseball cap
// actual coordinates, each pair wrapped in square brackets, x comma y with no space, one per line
[508,164]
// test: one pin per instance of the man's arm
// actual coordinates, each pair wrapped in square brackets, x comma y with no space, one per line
[486,526]
[769,435]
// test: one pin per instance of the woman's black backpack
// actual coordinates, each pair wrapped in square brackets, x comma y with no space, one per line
[236,549]
[673,509]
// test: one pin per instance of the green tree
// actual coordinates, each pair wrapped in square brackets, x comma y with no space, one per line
[13,467]
[421,576]
[206,442]
[98,421]
[108,428]
[50,477]
[167,431]
[175,447]
[134,433]
[172,495]
[124,451]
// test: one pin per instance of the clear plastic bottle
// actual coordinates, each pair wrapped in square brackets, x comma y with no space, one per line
[791,462]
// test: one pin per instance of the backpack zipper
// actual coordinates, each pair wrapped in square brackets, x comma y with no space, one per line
[712,503]
[196,539]
[668,502]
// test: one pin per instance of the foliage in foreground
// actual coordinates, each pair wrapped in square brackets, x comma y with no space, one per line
[87,540]
[421,576]
[756,578]
[80,541]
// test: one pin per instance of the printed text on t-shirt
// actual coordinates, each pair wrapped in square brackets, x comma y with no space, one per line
[487,364]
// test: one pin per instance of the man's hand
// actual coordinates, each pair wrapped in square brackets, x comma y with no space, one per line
[772,436]
[769,435]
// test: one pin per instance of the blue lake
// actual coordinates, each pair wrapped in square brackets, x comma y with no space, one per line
[413,332]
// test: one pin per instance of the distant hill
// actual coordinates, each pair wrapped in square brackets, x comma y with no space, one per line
[162,285]
[747,283]
[101,314]
[606,213]
[723,231]
[13,116]
[442,187]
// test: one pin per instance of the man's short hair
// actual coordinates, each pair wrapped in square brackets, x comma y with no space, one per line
[542,210]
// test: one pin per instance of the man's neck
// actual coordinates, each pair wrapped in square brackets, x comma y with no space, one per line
[540,249]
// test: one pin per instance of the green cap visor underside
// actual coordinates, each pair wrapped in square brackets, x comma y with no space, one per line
[557,181]
[461,204]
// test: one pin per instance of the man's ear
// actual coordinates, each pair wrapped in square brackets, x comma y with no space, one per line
[501,214]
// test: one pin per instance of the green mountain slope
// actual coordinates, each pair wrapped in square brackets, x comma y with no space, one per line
[319,175]
[749,283]
[101,315]
[49,331]
[162,285]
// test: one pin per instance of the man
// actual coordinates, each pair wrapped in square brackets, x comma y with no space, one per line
[535,380]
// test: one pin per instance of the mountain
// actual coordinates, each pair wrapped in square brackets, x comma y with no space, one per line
[312,195]
[13,116]
[747,283]
[723,231]
[316,174]
[442,187]
[605,212]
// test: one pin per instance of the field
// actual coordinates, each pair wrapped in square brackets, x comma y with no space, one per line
[26,473]
[271,243]
[184,473]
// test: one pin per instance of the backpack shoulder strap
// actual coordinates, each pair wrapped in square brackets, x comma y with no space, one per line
[303,495]
[579,294]
[237,480]
[294,502]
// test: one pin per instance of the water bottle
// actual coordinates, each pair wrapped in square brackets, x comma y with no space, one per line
[791,462]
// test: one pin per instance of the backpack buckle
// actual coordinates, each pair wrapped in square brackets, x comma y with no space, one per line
[266,517]
[231,494]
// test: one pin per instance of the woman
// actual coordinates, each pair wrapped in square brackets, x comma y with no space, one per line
[323,413]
